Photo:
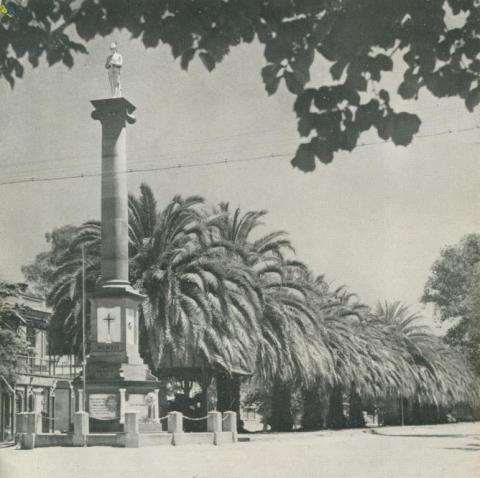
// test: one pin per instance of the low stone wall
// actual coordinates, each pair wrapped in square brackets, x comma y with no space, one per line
[53,439]
[221,430]
[106,439]
[155,439]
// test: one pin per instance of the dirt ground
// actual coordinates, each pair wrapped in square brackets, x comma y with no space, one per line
[442,451]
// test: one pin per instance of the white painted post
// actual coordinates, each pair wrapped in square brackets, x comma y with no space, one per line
[80,400]
[214,421]
[122,404]
[175,427]
[229,424]
[80,429]
[175,422]
[157,405]
[131,430]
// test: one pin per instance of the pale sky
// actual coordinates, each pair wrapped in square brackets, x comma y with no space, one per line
[374,219]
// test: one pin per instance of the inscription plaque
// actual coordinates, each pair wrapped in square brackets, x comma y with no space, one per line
[103,406]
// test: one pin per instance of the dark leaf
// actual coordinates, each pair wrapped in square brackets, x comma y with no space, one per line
[67,59]
[384,96]
[187,57]
[271,79]
[367,115]
[472,48]
[207,60]
[383,62]
[473,99]
[323,150]
[304,158]
[306,123]
[409,87]
[293,85]
[336,70]
[304,102]
[405,125]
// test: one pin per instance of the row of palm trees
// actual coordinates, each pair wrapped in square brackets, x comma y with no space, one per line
[220,294]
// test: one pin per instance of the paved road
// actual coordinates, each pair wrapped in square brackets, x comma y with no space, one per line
[447,451]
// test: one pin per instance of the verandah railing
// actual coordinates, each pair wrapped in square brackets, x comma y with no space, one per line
[47,366]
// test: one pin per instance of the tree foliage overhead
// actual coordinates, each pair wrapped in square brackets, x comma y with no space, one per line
[360,40]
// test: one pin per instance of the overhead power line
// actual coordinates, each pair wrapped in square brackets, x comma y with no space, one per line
[211,163]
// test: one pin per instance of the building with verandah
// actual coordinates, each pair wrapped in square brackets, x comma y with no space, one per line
[44,382]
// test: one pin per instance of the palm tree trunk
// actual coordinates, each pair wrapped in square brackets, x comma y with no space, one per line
[281,419]
[228,395]
[402,417]
[355,414]
[335,416]
[313,410]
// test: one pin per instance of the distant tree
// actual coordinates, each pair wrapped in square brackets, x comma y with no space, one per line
[11,345]
[39,274]
[454,289]
[360,40]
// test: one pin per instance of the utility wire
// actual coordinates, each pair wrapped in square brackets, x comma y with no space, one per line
[212,163]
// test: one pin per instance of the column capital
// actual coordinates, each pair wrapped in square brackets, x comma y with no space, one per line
[113,108]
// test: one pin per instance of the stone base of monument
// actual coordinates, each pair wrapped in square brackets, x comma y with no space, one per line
[107,404]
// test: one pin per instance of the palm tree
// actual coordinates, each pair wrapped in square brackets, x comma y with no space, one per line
[290,350]
[432,372]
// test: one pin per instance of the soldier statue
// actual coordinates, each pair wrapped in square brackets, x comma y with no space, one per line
[113,65]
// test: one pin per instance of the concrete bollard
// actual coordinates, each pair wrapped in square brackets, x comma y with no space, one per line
[175,422]
[131,430]
[29,422]
[20,423]
[175,427]
[214,422]
[30,425]
[229,423]
[80,429]
[27,441]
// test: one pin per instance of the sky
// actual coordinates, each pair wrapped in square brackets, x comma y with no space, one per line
[373,220]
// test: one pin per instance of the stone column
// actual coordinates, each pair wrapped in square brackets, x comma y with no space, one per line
[122,404]
[51,410]
[80,429]
[80,400]
[157,405]
[114,113]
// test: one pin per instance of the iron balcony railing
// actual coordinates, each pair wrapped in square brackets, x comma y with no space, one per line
[32,365]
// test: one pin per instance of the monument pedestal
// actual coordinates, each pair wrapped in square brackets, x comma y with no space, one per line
[118,381]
